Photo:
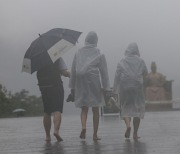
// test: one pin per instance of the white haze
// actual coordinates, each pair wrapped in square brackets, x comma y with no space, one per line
[153,24]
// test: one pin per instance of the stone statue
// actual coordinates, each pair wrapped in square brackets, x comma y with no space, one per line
[155,85]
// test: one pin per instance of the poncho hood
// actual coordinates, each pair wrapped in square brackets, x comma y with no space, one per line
[132,49]
[91,39]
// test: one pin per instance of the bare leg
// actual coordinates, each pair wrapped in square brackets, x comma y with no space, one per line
[84,112]
[136,123]
[57,123]
[47,125]
[127,121]
[95,122]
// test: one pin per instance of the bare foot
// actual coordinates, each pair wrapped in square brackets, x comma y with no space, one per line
[48,138]
[127,133]
[135,136]
[95,138]
[59,139]
[83,134]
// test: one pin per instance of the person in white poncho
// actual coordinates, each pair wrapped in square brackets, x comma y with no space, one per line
[128,82]
[89,76]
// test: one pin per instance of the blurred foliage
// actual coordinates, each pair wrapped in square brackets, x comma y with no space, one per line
[9,102]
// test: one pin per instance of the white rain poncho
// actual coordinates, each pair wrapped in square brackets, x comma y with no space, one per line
[129,83]
[89,74]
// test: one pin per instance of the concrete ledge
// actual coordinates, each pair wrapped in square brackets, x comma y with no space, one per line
[158,105]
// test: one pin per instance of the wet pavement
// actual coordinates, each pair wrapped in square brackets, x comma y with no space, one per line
[159,131]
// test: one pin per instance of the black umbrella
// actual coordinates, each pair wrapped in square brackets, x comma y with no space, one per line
[48,47]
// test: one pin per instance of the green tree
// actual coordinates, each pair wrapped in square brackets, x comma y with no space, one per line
[9,102]
[32,104]
[5,106]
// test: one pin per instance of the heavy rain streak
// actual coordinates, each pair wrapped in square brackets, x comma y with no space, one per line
[110,53]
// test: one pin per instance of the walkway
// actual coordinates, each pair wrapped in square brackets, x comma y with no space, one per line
[159,131]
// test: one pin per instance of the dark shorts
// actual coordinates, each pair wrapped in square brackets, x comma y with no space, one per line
[53,98]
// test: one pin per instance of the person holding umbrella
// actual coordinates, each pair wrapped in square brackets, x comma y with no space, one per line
[52,91]
[128,82]
[88,73]
[45,56]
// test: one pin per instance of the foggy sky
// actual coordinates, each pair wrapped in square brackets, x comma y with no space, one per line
[153,24]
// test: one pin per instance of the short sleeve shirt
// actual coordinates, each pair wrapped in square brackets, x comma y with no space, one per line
[50,75]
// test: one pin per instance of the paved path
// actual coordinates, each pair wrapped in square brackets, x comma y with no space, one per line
[159,131]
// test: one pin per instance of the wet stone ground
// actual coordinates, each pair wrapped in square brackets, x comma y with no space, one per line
[159,131]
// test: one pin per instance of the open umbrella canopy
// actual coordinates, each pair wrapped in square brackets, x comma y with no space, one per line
[19,110]
[49,47]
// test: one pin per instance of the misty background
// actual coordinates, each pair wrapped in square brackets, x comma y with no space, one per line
[153,24]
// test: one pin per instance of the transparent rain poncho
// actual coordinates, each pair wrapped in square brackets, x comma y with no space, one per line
[128,83]
[89,74]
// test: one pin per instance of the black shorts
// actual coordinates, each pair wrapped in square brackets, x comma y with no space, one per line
[53,98]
